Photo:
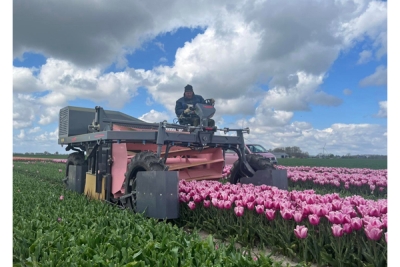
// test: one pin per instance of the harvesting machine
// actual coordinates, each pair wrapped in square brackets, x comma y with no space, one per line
[138,165]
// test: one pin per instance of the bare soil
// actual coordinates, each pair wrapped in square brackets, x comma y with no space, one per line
[257,251]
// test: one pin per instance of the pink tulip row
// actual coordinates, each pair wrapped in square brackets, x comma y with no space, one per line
[375,179]
[349,214]
[33,160]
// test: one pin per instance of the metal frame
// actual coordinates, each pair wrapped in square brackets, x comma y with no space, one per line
[97,143]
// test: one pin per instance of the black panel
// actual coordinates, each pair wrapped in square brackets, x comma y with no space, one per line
[270,177]
[157,194]
[77,178]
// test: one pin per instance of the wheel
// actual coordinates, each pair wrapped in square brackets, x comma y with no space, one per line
[257,162]
[143,161]
[77,159]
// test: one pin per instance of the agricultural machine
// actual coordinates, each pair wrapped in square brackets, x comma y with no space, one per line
[138,165]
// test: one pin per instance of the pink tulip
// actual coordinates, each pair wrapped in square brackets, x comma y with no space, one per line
[347,228]
[239,211]
[192,205]
[346,218]
[268,204]
[372,221]
[220,203]
[61,197]
[227,204]
[298,216]
[301,231]
[335,217]
[287,214]
[337,230]
[214,202]
[197,198]
[259,209]
[373,211]
[238,202]
[373,233]
[336,205]
[250,205]
[356,223]
[314,219]
[206,203]
[270,214]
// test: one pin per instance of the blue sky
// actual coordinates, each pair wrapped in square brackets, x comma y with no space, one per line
[300,74]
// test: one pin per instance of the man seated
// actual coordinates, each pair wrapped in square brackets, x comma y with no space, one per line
[183,110]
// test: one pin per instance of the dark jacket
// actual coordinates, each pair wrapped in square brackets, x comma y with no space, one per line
[182,103]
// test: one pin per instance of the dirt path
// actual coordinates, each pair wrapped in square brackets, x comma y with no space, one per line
[256,251]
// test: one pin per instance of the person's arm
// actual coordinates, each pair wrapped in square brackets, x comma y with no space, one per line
[179,108]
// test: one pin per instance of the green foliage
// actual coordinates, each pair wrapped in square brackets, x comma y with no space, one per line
[77,231]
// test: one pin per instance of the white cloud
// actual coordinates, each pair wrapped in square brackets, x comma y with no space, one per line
[24,110]
[365,56]
[155,116]
[34,130]
[347,91]
[24,81]
[339,139]
[382,113]
[160,46]
[378,78]
[21,134]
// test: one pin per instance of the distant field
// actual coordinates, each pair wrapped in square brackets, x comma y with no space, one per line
[345,163]
[41,156]
[312,162]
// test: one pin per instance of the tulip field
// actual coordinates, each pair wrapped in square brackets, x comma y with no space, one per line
[329,216]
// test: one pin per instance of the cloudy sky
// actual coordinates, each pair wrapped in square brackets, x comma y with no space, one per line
[309,73]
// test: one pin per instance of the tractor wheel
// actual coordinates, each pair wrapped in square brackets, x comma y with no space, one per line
[143,161]
[77,159]
[257,162]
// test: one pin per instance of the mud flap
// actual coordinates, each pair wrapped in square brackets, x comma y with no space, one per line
[269,177]
[157,194]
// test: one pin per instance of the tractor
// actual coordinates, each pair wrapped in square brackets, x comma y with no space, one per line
[138,165]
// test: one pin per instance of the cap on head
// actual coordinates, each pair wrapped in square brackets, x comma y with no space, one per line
[188,88]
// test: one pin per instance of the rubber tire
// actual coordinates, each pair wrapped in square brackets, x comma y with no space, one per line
[76,159]
[257,162]
[143,161]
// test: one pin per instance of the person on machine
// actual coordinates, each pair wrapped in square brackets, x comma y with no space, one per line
[184,107]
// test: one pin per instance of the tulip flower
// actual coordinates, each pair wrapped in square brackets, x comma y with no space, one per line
[206,203]
[287,214]
[250,205]
[337,230]
[227,204]
[356,223]
[239,211]
[192,205]
[301,231]
[298,216]
[373,233]
[197,198]
[61,197]
[347,228]
[259,209]
[313,219]
[270,214]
